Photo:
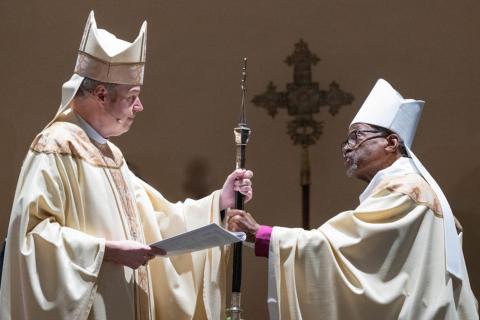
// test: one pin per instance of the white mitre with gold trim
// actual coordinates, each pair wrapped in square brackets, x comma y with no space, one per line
[105,58]
[385,107]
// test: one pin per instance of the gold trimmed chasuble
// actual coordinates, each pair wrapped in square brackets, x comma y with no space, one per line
[71,195]
[383,260]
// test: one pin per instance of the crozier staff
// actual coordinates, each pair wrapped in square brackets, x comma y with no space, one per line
[81,222]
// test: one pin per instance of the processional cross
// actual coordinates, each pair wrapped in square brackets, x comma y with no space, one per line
[303,100]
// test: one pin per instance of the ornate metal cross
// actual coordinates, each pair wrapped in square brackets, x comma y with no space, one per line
[303,99]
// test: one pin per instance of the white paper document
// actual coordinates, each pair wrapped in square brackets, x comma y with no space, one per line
[209,236]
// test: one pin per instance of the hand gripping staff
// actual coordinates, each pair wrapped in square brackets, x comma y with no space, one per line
[242,133]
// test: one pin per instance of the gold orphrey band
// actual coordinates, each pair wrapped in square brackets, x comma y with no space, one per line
[121,73]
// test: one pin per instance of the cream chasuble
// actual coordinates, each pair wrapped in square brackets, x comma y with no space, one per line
[73,194]
[383,260]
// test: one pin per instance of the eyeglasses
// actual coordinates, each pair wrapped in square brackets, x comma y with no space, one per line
[353,142]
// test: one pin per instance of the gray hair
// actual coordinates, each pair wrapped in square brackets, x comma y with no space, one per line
[401,147]
[89,85]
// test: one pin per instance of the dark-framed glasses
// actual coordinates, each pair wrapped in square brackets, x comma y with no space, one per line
[353,140]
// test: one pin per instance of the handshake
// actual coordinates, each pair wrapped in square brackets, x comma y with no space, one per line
[239,220]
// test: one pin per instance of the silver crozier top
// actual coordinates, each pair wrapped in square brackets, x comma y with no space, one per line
[243,85]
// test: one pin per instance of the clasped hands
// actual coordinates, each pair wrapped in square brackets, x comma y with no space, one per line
[239,220]
[134,254]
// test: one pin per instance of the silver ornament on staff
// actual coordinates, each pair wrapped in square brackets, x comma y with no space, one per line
[242,134]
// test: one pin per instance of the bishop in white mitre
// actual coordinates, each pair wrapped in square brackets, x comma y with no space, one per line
[397,255]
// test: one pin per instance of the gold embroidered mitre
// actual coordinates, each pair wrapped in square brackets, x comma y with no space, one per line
[104,57]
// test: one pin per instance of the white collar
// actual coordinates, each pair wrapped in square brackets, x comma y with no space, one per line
[402,165]
[91,132]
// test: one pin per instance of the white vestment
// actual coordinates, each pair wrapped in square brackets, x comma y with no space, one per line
[383,260]
[72,195]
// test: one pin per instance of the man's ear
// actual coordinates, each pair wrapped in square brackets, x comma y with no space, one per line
[100,92]
[393,143]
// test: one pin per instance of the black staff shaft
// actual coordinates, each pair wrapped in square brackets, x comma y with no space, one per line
[241,133]
[237,249]
[239,204]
